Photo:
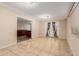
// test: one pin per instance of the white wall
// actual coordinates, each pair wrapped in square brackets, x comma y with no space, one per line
[41,29]
[8,27]
[62,29]
[72,38]
[36,29]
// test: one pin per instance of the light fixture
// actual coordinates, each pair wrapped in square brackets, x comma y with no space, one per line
[30,4]
[45,16]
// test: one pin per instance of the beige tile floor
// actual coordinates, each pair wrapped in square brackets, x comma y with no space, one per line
[38,47]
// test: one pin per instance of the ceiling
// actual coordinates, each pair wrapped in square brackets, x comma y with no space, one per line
[40,10]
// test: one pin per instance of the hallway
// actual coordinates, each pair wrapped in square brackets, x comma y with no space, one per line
[39,47]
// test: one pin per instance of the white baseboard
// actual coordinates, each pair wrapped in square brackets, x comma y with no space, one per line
[71,48]
[8,45]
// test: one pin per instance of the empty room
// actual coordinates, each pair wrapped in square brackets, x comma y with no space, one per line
[39,28]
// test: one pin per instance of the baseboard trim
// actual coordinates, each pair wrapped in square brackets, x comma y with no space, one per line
[71,47]
[8,45]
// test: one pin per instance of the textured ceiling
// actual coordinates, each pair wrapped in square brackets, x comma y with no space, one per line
[57,10]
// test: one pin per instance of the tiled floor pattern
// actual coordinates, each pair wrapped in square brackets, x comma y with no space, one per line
[38,47]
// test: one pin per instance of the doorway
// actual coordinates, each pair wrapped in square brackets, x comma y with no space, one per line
[23,29]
